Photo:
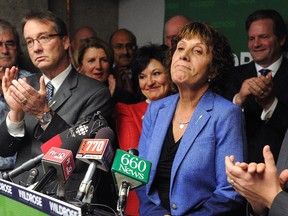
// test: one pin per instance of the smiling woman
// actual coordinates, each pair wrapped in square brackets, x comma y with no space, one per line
[152,74]
[94,58]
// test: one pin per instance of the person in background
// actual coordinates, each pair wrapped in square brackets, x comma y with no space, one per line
[260,87]
[172,27]
[81,34]
[94,58]
[124,45]
[10,52]
[36,114]
[187,135]
[154,82]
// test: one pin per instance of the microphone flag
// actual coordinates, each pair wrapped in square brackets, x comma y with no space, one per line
[60,159]
[130,168]
[99,150]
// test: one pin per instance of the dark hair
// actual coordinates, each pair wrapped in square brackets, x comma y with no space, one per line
[144,55]
[6,26]
[279,27]
[44,16]
[217,44]
[93,42]
[134,41]
[141,60]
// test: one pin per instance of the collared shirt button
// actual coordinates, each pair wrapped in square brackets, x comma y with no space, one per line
[174,206]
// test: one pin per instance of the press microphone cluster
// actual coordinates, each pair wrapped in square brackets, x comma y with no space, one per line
[98,153]
[86,129]
[129,172]
[69,139]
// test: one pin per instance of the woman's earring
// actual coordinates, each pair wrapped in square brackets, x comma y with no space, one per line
[209,80]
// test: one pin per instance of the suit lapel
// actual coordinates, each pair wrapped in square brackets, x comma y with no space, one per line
[195,126]
[247,71]
[163,120]
[64,92]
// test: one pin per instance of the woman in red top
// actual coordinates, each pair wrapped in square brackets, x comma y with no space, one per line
[154,82]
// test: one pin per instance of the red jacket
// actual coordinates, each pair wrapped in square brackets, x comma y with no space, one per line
[128,119]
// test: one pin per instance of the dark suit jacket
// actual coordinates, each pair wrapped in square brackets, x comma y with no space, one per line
[261,133]
[279,206]
[77,98]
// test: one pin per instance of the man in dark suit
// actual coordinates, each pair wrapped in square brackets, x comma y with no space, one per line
[259,93]
[260,183]
[32,119]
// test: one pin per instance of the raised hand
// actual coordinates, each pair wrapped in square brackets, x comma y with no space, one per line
[258,183]
[22,97]
[13,101]
[36,103]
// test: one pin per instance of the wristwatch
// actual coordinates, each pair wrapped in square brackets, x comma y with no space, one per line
[47,117]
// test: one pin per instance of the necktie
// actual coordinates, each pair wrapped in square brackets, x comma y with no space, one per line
[264,71]
[49,92]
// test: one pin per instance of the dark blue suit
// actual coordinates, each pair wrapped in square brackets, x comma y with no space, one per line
[198,180]
[261,133]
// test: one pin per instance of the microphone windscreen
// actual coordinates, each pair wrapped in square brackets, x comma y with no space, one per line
[63,141]
[71,138]
[105,133]
[133,151]
[55,141]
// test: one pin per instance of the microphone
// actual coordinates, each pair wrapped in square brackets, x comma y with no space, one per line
[26,166]
[86,129]
[56,161]
[98,153]
[129,172]
[68,139]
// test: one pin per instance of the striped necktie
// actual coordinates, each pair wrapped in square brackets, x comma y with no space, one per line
[49,92]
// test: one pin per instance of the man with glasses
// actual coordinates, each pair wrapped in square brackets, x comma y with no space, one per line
[35,116]
[9,55]
[124,45]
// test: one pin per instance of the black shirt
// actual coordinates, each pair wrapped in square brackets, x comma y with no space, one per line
[163,174]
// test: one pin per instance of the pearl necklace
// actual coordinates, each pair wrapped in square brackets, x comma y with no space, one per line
[181,124]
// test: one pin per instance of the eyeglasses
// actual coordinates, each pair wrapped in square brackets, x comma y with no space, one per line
[41,40]
[8,44]
[124,46]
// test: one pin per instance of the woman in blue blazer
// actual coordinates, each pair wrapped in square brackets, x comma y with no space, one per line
[187,136]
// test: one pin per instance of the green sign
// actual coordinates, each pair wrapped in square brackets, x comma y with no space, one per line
[228,16]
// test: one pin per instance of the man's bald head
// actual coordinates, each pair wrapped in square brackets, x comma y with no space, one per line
[81,34]
[172,27]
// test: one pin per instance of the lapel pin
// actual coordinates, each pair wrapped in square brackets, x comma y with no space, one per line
[199,119]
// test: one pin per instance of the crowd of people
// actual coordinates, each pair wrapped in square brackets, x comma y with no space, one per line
[213,132]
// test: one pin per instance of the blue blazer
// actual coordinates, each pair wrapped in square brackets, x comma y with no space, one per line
[198,180]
